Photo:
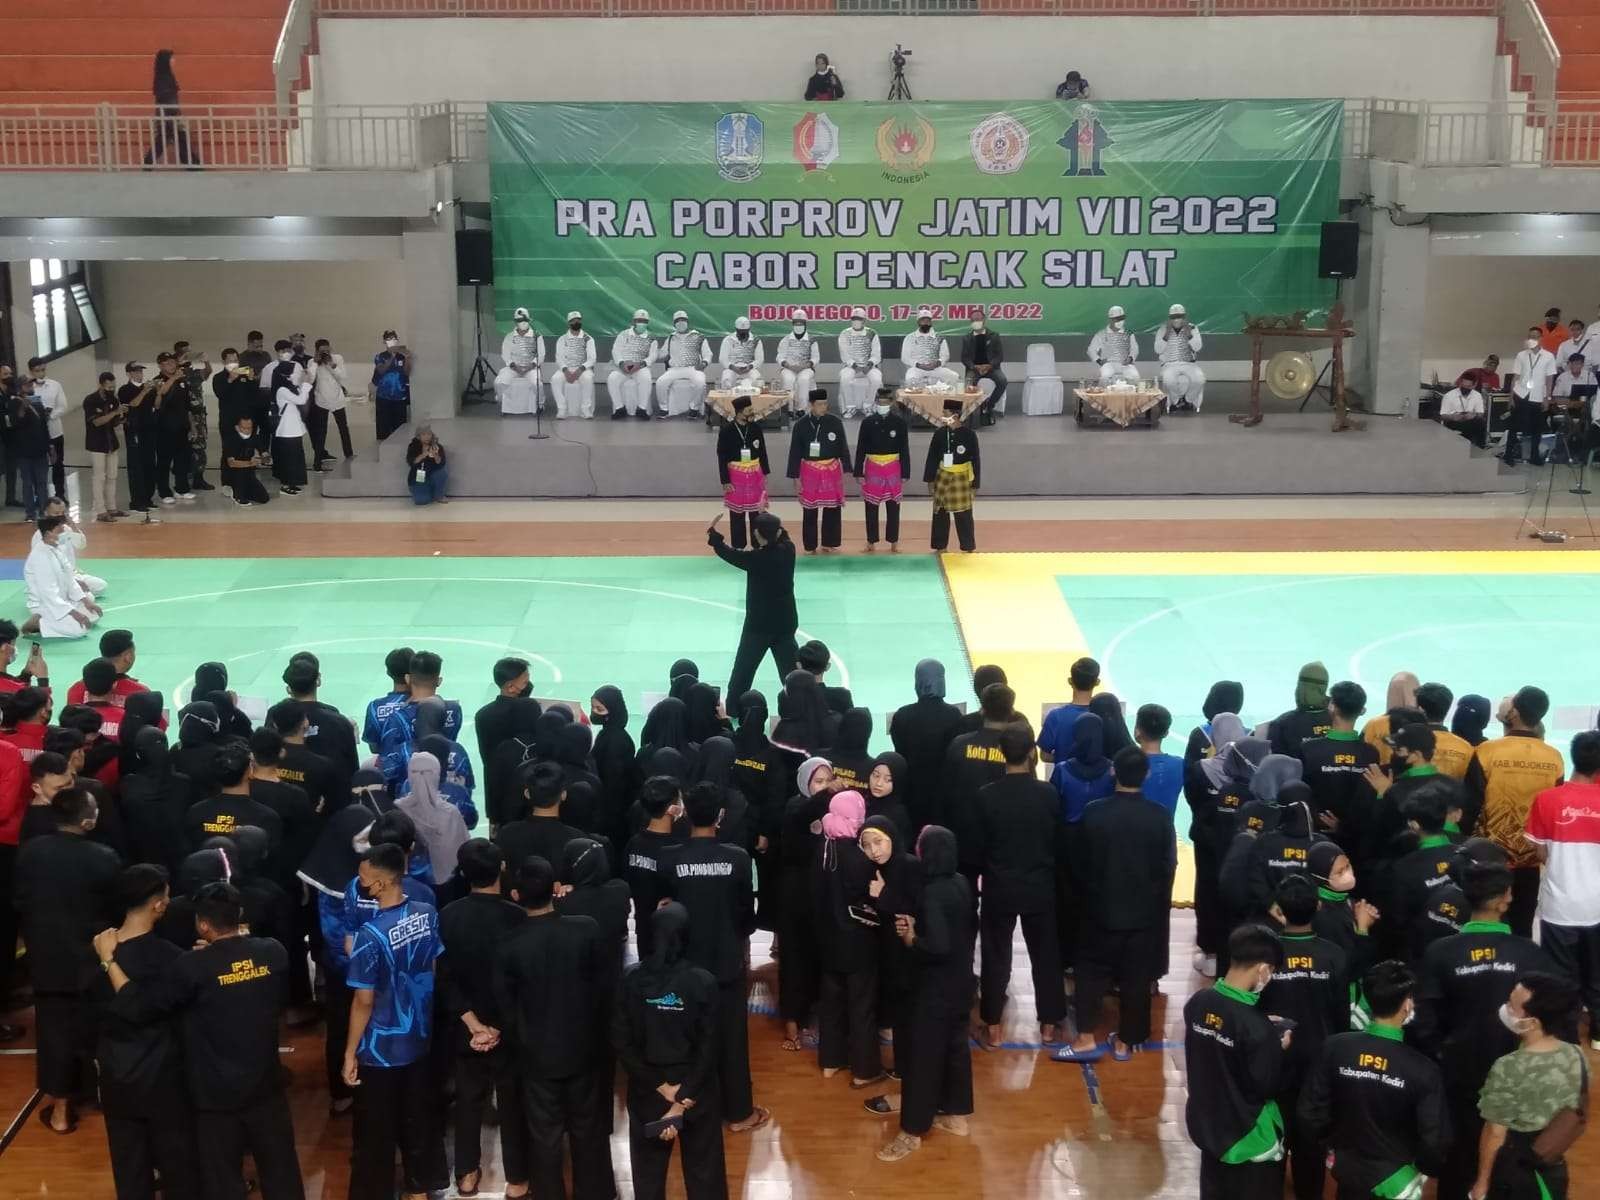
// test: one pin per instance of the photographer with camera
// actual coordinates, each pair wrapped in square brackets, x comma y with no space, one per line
[824,84]
[328,387]
[1073,87]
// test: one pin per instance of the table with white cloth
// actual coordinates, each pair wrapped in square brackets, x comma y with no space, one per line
[929,404]
[1118,406]
[762,404]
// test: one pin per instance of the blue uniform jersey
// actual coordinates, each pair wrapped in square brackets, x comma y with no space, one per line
[1164,784]
[393,957]
[1055,735]
[342,918]
[379,711]
[456,784]
[397,732]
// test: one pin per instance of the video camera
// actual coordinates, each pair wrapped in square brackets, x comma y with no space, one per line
[898,56]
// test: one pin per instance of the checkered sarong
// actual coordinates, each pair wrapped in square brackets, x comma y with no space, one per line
[952,488]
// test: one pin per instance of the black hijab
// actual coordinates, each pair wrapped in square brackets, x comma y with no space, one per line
[1115,728]
[902,878]
[682,676]
[804,722]
[716,761]
[616,719]
[583,863]
[140,711]
[1087,760]
[547,733]
[855,730]
[667,727]
[572,746]
[665,761]
[703,721]
[936,848]
[751,710]
[893,807]
[1225,696]
[669,933]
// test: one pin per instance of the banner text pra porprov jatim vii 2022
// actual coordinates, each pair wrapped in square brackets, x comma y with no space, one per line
[1035,215]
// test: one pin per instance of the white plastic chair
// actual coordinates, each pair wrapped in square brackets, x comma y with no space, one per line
[1043,392]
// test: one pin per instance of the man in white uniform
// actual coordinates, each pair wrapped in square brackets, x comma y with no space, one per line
[572,384]
[924,354]
[63,609]
[1579,341]
[1462,409]
[69,545]
[798,356]
[631,355]
[1113,349]
[742,355]
[49,393]
[518,386]
[1178,351]
[1531,372]
[688,353]
[859,356]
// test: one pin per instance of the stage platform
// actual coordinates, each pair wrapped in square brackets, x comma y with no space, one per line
[1290,453]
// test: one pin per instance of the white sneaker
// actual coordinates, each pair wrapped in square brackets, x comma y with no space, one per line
[1205,964]
[227,491]
[185,495]
[168,500]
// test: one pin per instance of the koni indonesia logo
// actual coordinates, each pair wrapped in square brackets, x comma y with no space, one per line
[1084,141]
[816,141]
[905,148]
[740,146]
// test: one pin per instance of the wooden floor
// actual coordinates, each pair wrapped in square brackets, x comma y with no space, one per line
[1041,1130]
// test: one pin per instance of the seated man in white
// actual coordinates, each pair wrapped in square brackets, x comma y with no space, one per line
[518,386]
[1114,349]
[73,542]
[687,352]
[924,354]
[572,384]
[742,356]
[631,355]
[61,607]
[798,356]
[859,359]
[1463,410]
[1178,351]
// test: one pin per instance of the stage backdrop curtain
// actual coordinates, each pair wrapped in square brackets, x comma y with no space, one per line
[1037,215]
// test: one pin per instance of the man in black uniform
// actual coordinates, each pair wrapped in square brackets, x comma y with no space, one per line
[142,437]
[740,445]
[1312,991]
[1378,1103]
[549,983]
[883,464]
[922,731]
[1406,888]
[231,807]
[1463,982]
[473,930]
[328,731]
[953,473]
[542,833]
[974,761]
[643,859]
[327,784]
[714,883]
[1235,1055]
[815,657]
[228,996]
[1447,908]
[819,459]
[1023,838]
[770,618]
[1335,762]
[1411,769]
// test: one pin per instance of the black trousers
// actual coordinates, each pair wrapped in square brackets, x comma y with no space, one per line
[1246,1181]
[65,1028]
[264,1131]
[831,523]
[1474,429]
[1527,420]
[999,393]
[1518,1172]
[142,456]
[390,415]
[564,1114]
[966,536]
[478,1076]
[936,1073]
[733,1051]
[396,1107]
[1460,1166]
[797,934]
[246,485]
[738,530]
[289,461]
[1308,1155]
[754,644]
[1210,921]
[160,1143]
[1575,949]
[8,920]
[699,1142]
[169,130]
[336,1030]
[172,461]
[11,470]
[995,928]
[58,466]
[317,426]
[847,1022]
[893,531]
[1524,900]
[1127,956]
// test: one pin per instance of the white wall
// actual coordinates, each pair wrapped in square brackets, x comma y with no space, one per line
[78,372]
[402,61]
[1479,306]
[146,306]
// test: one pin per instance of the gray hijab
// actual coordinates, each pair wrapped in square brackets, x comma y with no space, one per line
[1273,774]
[1237,755]
[930,679]
[441,831]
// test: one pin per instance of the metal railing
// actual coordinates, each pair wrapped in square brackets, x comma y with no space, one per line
[686,8]
[104,137]
[1537,54]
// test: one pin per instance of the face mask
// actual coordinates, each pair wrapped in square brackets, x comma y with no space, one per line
[526,690]
[977,327]
[1530,344]
[681,326]
[858,324]
[924,326]
[523,327]
[882,409]
[575,326]
[1117,324]
[744,335]
[1259,986]
[1516,1024]
[371,893]
[1409,1017]
[391,343]
[640,326]
[597,718]
[285,356]
[799,331]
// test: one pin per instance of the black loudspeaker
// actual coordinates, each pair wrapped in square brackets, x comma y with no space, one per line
[1337,258]
[474,257]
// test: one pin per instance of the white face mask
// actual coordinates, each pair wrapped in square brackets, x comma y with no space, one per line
[799,330]
[1516,1024]
[285,356]
[640,326]
[1260,985]
[977,327]
[1530,344]
[1116,323]
[681,326]
[1410,1016]
[391,343]
[882,409]
[857,323]
[522,327]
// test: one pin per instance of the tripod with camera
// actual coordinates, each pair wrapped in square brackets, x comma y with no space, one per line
[899,89]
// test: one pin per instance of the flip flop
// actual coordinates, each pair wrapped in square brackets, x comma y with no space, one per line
[857,1085]
[463,1190]
[1122,1055]
[1068,1055]
[880,1106]
[758,1119]
[792,1045]
[49,1111]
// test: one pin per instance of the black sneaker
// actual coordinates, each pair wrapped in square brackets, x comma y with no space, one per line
[200,485]
[641,415]
[619,414]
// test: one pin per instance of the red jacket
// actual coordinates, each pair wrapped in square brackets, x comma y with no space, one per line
[15,790]
[125,686]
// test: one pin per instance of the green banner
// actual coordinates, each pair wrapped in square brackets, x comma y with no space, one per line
[1037,215]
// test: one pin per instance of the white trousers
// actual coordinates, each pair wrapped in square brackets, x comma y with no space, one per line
[798,384]
[92,584]
[731,377]
[629,391]
[917,377]
[1184,381]
[577,395]
[64,627]
[104,469]
[518,393]
[1111,372]
[692,380]
[858,390]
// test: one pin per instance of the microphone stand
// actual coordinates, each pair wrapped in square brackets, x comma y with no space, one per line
[538,434]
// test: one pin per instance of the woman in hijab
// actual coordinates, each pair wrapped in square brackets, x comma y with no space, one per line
[703,718]
[154,800]
[936,1087]
[440,828]
[682,676]
[1115,733]
[895,890]
[852,761]
[847,929]
[1471,718]
[547,733]
[1402,694]
[573,745]
[716,767]
[922,731]
[666,728]
[140,710]
[1215,789]
[1308,718]
[759,774]
[799,844]
[199,737]
[1225,696]
[886,786]
[587,889]
[1272,774]
[456,781]
[1085,774]
[502,798]
[613,758]
[664,1030]
[805,726]
[211,685]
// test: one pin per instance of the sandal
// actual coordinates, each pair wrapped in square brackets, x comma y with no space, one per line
[48,1111]
[857,1085]
[791,1044]
[461,1184]
[758,1117]
[882,1106]
[1068,1055]
[902,1146]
